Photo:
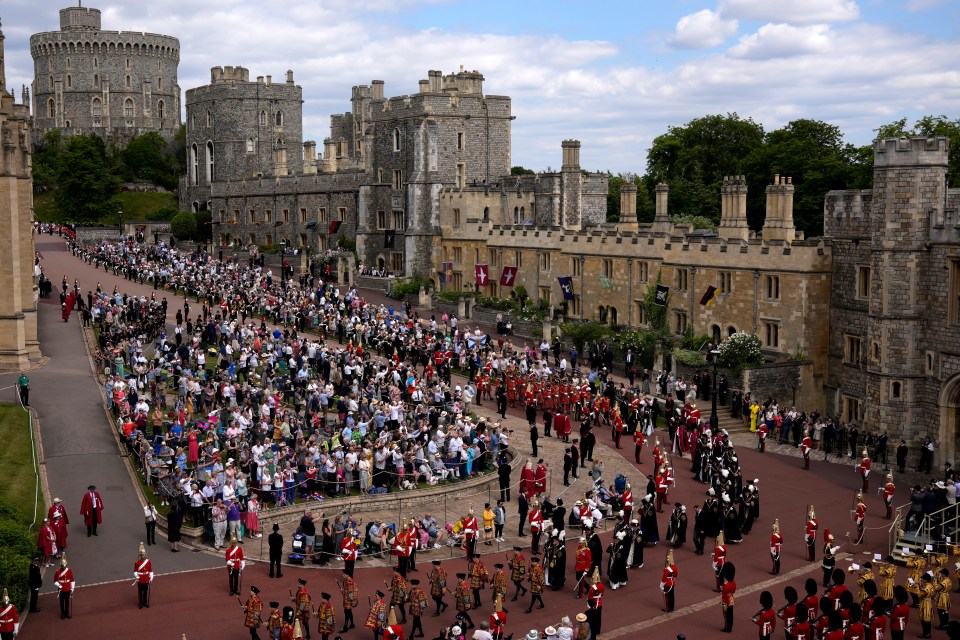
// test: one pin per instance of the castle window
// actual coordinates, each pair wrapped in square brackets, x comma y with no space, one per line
[607,266]
[574,267]
[641,311]
[253,216]
[397,179]
[286,215]
[194,164]
[68,64]
[128,63]
[461,175]
[160,109]
[731,330]
[96,63]
[771,334]
[523,215]
[211,174]
[851,349]
[96,108]
[268,239]
[279,119]
[396,262]
[773,287]
[51,83]
[268,215]
[682,275]
[726,282]
[545,261]
[250,145]
[128,82]
[96,81]
[516,215]
[715,333]
[303,215]
[575,306]
[458,255]
[263,118]
[954,301]
[322,214]
[399,220]
[456,217]
[518,259]
[128,108]
[896,390]
[460,140]
[493,258]
[209,119]
[342,213]
[159,84]
[396,139]
[69,81]
[381,219]
[930,360]
[679,321]
[486,214]
[863,283]
[643,271]
[850,409]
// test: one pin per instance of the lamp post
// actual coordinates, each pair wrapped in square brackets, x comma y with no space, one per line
[283,270]
[714,418]
[121,223]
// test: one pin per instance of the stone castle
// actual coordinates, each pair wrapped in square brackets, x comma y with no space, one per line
[114,84]
[19,345]
[422,180]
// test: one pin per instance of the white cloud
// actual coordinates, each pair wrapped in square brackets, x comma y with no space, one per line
[702,30]
[783,41]
[791,11]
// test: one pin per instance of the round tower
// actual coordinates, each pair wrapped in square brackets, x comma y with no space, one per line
[115,84]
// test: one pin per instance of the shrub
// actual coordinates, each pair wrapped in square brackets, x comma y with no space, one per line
[452,296]
[163,214]
[687,357]
[498,304]
[183,226]
[740,350]
[581,333]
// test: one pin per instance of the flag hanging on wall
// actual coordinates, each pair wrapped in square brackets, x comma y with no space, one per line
[334,226]
[447,270]
[566,286]
[508,276]
[482,272]
[388,237]
[605,282]
[660,297]
[709,295]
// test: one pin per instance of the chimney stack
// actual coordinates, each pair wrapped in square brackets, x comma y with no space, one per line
[661,221]
[733,209]
[778,223]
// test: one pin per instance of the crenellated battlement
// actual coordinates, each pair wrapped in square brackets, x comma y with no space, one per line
[905,152]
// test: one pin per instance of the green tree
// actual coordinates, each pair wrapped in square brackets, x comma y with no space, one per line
[144,157]
[184,226]
[928,127]
[85,186]
[48,160]
[694,159]
[521,171]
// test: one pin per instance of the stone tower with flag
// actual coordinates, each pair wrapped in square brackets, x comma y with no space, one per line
[18,293]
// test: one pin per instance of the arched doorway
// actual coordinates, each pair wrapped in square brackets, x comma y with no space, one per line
[949,422]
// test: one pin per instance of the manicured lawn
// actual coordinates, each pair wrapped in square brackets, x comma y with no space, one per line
[135,205]
[16,465]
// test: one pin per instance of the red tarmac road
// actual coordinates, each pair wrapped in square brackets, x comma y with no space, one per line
[196,603]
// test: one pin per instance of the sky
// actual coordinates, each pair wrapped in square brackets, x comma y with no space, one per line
[612,74]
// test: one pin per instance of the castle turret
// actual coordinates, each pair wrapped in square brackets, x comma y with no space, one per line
[571,189]
[778,223]
[733,209]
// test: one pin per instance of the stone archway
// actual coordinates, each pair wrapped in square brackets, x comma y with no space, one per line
[949,404]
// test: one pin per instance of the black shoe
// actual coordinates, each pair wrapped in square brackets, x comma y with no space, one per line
[94,533]
[344,630]
[528,610]
[279,575]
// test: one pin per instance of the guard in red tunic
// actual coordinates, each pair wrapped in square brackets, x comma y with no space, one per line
[766,619]
[470,529]
[719,559]
[668,582]
[535,518]
[235,565]
[863,468]
[498,620]
[393,631]
[582,563]
[859,518]
[627,500]
[888,490]
[91,508]
[348,551]
[806,446]
[900,615]
[776,545]
[726,596]
[63,579]
[253,613]
[638,440]
[143,574]
[9,619]
[810,535]
[662,483]
[402,547]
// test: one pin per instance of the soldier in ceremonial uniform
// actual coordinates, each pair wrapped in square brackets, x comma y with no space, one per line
[351,598]
[943,588]
[806,446]
[536,526]
[326,617]
[865,575]
[829,562]
[498,619]
[900,615]
[143,573]
[888,490]
[766,618]
[438,586]
[253,613]
[788,612]
[718,560]
[348,551]
[860,518]
[668,583]
[274,622]
[887,571]
[398,592]
[418,604]
[470,529]
[518,572]
[402,546]
[464,599]
[926,591]
[65,583]
[810,534]
[9,619]
[498,582]
[392,630]
[377,618]
[916,565]
[478,578]
[302,605]
[537,580]
[235,565]
[726,595]
[286,626]
[776,546]
[863,468]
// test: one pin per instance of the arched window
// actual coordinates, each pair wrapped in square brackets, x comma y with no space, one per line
[51,83]
[279,119]
[209,119]
[194,165]
[69,81]
[523,215]
[159,84]
[251,147]
[715,332]
[128,63]
[210,162]
[396,139]
[486,214]
[96,81]
[51,108]
[516,215]
[731,330]
[97,108]
[263,118]
[69,66]
[160,109]
[128,108]
[129,83]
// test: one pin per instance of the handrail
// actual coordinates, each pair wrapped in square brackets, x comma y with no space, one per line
[946,518]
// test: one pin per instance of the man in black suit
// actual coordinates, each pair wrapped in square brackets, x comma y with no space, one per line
[275,540]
